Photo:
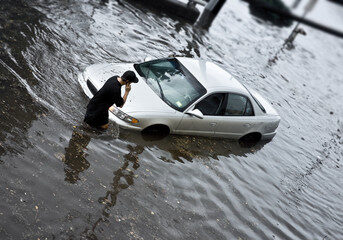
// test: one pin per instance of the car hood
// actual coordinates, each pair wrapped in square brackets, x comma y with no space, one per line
[141,97]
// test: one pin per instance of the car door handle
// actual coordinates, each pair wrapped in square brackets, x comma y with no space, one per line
[213,124]
[247,125]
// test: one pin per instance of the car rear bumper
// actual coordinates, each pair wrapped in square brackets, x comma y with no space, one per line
[268,136]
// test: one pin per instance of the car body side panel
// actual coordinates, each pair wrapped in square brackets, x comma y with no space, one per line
[238,126]
[147,119]
[270,124]
[191,125]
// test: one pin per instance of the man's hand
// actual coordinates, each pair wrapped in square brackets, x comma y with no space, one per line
[127,90]
[128,87]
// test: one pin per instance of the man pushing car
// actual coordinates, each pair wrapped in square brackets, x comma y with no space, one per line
[97,108]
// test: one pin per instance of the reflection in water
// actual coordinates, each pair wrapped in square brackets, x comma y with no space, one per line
[103,2]
[181,148]
[261,13]
[193,44]
[188,148]
[75,155]
[288,43]
[296,3]
[161,8]
[123,178]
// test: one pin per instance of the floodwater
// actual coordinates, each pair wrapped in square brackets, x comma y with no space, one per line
[60,181]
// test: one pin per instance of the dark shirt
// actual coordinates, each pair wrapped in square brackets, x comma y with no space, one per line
[97,108]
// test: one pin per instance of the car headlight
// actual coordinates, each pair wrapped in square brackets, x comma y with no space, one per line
[123,116]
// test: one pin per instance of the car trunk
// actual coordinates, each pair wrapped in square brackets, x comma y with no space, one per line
[269,109]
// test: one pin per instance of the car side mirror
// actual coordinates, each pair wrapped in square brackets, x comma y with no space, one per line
[196,113]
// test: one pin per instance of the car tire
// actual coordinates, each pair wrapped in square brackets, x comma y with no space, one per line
[156,132]
[250,139]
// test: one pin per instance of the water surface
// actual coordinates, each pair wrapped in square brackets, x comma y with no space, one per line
[60,181]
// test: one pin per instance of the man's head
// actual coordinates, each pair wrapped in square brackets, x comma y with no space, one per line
[129,77]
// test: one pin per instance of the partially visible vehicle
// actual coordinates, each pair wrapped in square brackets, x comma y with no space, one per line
[186,96]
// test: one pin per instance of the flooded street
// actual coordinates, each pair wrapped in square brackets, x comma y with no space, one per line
[62,182]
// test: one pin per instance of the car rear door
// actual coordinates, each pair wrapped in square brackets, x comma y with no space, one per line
[209,106]
[237,117]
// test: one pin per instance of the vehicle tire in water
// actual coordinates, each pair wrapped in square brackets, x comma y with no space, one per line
[156,132]
[250,139]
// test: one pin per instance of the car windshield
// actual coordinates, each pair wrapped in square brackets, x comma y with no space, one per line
[172,82]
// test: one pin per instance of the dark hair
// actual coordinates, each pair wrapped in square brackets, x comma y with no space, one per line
[130,76]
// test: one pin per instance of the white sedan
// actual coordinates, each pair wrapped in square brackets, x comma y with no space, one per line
[186,96]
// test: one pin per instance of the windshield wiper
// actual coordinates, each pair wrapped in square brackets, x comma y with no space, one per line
[159,85]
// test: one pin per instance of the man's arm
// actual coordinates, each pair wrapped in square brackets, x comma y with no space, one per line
[127,90]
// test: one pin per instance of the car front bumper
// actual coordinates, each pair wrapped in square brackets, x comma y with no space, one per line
[123,124]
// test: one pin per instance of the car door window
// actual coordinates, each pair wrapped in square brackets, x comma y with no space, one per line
[238,105]
[249,110]
[211,104]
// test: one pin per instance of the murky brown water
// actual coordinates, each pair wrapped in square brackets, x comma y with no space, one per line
[62,182]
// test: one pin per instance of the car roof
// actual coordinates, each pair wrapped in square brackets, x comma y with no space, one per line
[212,77]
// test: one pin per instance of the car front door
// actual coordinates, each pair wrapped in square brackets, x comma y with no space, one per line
[209,107]
[237,117]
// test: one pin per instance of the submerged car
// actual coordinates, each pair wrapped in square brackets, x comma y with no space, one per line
[186,96]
